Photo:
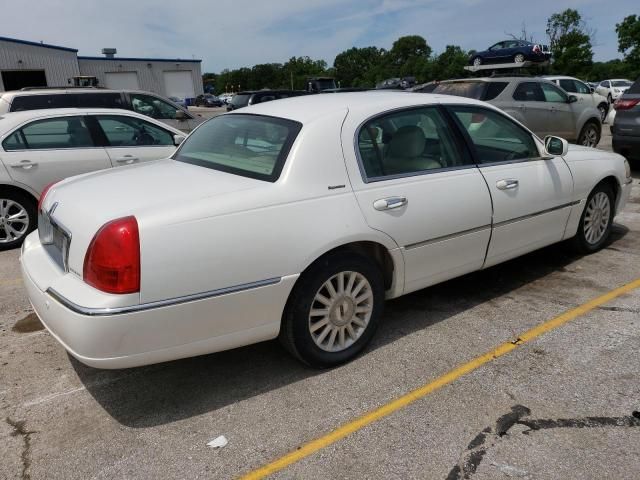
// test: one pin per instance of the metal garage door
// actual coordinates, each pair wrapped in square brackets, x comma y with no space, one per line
[121,80]
[179,84]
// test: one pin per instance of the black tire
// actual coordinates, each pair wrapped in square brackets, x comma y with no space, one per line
[603,108]
[580,242]
[590,128]
[295,334]
[609,99]
[22,200]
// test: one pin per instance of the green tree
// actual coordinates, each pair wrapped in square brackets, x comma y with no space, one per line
[360,67]
[409,56]
[570,42]
[629,43]
[449,64]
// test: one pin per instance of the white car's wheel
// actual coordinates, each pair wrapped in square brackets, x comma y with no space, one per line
[17,219]
[519,58]
[333,310]
[590,135]
[595,224]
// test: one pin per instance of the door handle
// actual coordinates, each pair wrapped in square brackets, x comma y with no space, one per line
[127,159]
[25,164]
[390,203]
[507,184]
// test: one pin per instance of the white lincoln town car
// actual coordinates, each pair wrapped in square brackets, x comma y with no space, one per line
[297,218]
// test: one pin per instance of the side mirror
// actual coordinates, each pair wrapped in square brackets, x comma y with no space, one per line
[180,115]
[573,98]
[178,139]
[592,90]
[555,146]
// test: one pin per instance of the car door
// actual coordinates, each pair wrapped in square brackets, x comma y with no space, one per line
[532,196]
[414,182]
[561,119]
[131,140]
[529,101]
[495,52]
[51,149]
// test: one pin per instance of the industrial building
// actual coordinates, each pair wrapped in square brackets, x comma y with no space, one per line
[32,64]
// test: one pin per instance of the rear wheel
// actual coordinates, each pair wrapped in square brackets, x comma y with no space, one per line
[590,134]
[333,310]
[519,58]
[596,220]
[18,218]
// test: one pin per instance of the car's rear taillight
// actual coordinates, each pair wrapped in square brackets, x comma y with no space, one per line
[536,49]
[43,195]
[112,262]
[625,104]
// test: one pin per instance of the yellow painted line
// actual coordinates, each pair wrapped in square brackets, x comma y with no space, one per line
[408,398]
[13,281]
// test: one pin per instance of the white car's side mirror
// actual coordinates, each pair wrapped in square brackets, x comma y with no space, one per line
[555,146]
[178,139]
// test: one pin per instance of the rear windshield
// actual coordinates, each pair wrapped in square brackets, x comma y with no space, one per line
[240,100]
[477,90]
[254,146]
[635,88]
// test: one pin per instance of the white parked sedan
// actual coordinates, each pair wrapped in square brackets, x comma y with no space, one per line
[297,218]
[612,89]
[38,147]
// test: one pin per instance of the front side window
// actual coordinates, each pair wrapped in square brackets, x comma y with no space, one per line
[495,137]
[53,133]
[528,92]
[553,93]
[153,107]
[497,46]
[253,146]
[581,87]
[122,131]
[408,142]
[568,85]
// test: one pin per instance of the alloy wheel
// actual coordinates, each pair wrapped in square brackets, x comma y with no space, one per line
[519,58]
[603,113]
[14,220]
[340,311]
[597,218]
[590,136]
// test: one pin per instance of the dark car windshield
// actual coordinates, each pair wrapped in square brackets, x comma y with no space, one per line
[240,100]
[254,146]
[620,83]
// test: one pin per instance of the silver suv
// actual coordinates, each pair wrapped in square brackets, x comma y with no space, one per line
[537,103]
[139,101]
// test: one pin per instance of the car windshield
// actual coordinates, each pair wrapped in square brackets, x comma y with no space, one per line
[621,83]
[253,146]
[461,89]
[240,100]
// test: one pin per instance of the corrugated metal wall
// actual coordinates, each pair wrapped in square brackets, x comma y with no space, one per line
[59,65]
[150,72]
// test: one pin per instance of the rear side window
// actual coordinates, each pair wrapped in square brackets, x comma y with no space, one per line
[528,92]
[52,133]
[253,146]
[461,89]
[39,102]
[406,143]
[240,100]
[99,100]
[493,90]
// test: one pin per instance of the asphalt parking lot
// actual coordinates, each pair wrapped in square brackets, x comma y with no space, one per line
[563,405]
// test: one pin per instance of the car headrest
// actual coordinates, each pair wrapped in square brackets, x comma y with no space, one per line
[408,141]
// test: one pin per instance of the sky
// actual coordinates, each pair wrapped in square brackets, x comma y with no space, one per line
[238,33]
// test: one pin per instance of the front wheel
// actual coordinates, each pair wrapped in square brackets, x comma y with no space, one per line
[590,135]
[333,310]
[18,218]
[602,108]
[596,220]
[477,62]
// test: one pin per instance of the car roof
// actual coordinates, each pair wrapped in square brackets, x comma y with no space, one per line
[11,119]
[308,108]
[83,90]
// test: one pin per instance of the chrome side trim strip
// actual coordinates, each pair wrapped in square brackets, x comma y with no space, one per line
[94,312]
[536,214]
[446,237]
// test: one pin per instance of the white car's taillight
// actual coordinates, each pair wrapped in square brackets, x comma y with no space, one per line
[43,195]
[112,261]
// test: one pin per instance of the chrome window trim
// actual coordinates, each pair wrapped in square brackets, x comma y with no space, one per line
[94,312]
